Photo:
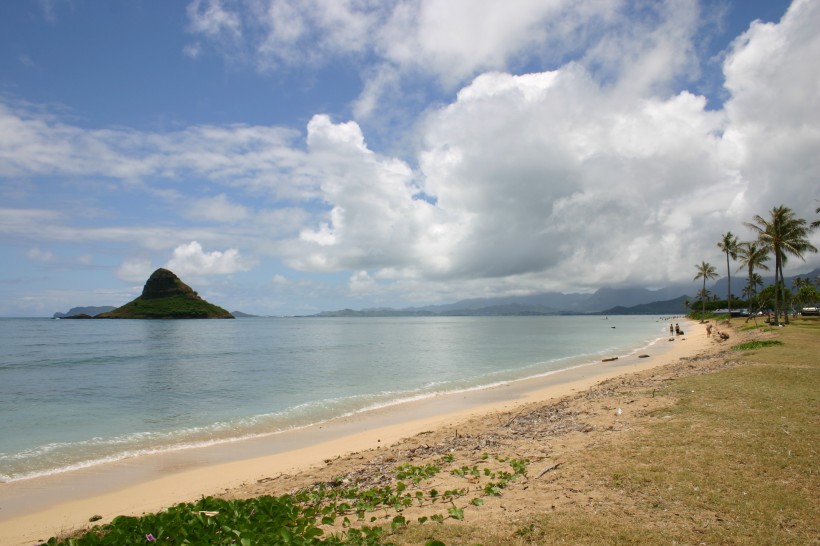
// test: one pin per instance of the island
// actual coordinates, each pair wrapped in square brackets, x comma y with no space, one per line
[89,311]
[165,296]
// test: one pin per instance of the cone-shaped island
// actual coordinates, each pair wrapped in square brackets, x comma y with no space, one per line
[165,296]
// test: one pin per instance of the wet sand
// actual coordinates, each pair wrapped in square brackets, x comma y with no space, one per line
[36,509]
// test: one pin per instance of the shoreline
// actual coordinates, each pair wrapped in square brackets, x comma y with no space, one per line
[407,399]
[39,508]
[73,452]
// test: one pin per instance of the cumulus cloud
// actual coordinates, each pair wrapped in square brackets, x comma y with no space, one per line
[191,259]
[374,220]
[560,179]
[774,109]
[534,173]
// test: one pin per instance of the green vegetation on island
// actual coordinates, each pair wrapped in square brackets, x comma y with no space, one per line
[165,296]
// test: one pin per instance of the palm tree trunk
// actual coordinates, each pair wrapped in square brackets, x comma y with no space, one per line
[783,293]
[776,286]
[729,289]
[703,301]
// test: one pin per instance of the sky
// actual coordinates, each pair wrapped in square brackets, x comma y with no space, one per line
[293,156]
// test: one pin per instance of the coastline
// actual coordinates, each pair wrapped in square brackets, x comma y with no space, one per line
[36,509]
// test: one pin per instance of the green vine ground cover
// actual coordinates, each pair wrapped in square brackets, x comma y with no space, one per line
[312,515]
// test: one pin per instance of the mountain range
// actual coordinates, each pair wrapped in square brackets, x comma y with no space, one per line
[670,300]
[665,301]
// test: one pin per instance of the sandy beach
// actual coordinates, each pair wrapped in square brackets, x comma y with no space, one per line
[36,509]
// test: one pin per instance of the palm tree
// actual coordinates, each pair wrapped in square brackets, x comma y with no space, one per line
[750,291]
[783,234]
[816,223]
[752,255]
[728,244]
[705,271]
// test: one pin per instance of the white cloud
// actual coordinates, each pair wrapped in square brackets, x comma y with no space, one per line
[210,17]
[552,172]
[411,43]
[34,253]
[191,259]
[559,180]
[192,51]
[217,209]
[135,270]
[362,284]
[374,220]
[49,8]
[774,109]
[35,144]
[305,32]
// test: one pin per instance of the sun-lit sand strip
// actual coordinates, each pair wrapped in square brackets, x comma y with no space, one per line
[36,509]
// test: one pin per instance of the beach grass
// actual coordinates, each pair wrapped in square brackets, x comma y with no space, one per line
[732,461]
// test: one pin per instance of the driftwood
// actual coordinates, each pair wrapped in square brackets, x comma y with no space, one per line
[548,469]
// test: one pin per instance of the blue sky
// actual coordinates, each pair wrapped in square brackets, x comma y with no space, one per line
[287,157]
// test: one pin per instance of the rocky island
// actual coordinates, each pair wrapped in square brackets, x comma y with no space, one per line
[165,296]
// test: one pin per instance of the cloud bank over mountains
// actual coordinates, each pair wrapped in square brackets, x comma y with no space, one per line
[605,167]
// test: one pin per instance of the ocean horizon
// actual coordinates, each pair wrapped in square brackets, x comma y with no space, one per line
[79,393]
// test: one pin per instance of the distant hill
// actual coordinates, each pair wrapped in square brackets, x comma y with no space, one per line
[544,303]
[240,314]
[165,296]
[675,306]
[612,301]
[739,281]
[90,310]
[548,303]
[607,298]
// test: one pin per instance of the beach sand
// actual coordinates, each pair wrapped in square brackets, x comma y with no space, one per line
[34,510]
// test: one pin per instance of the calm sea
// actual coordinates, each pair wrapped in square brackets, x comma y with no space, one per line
[75,393]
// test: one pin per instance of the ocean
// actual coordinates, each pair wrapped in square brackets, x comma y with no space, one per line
[78,393]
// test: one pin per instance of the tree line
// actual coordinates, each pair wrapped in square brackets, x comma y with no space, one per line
[781,235]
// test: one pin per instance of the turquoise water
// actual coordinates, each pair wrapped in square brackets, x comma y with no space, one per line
[75,393]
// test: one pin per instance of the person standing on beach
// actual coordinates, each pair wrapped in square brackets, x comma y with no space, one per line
[671,329]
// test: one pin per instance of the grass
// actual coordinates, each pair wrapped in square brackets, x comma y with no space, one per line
[756,344]
[733,461]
